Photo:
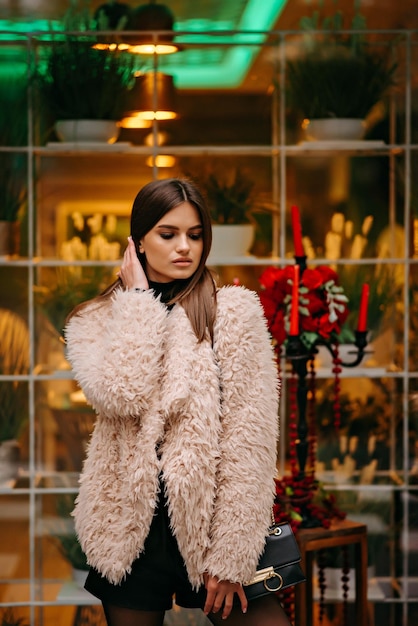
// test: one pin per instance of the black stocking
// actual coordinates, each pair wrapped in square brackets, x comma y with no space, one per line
[120,616]
[265,611]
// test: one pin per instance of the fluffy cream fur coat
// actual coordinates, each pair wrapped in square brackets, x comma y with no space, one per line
[213,412]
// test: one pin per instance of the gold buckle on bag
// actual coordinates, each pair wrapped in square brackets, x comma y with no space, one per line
[264,575]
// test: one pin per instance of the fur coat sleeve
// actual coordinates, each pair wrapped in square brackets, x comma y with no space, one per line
[249,401]
[107,339]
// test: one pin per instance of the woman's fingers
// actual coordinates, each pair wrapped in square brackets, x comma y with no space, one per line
[243,599]
[228,603]
[220,595]
[211,588]
[131,271]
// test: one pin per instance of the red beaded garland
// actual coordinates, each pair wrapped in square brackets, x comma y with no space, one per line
[293,429]
[312,416]
[336,370]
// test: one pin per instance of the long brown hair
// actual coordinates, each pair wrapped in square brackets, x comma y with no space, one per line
[198,296]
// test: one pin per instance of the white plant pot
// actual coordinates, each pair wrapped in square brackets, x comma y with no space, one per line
[79,131]
[335,128]
[231,240]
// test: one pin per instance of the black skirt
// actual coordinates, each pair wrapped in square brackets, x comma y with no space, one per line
[158,575]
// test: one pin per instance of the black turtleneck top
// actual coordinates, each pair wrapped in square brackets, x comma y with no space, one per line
[167,291]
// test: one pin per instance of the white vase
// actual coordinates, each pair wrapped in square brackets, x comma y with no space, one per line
[95,131]
[334,128]
[231,240]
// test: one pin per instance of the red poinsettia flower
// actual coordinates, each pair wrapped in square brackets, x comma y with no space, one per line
[270,276]
[312,279]
[322,303]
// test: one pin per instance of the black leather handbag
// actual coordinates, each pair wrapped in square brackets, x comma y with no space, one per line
[279,565]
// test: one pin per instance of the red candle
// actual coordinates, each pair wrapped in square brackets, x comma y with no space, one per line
[297,232]
[364,302]
[294,307]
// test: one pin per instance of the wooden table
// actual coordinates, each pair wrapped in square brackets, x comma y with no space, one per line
[341,533]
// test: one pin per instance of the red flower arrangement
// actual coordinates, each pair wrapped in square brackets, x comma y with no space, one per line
[322,304]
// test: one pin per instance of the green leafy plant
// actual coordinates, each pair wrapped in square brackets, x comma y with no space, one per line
[337,83]
[70,549]
[13,132]
[14,360]
[71,286]
[81,82]
[338,75]
[230,198]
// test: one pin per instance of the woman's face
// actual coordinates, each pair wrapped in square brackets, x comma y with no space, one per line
[174,246]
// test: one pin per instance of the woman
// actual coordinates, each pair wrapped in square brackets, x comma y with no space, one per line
[177,488]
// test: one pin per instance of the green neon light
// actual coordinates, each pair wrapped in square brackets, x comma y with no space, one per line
[17,31]
[231,70]
[193,68]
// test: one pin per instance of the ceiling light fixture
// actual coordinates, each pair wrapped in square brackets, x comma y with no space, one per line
[158,160]
[133,121]
[149,20]
[161,160]
[153,97]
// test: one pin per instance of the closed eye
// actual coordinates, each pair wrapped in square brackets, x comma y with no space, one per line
[193,236]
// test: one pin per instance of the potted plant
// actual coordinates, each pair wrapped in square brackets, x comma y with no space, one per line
[71,286]
[230,197]
[84,88]
[13,171]
[14,361]
[59,296]
[337,77]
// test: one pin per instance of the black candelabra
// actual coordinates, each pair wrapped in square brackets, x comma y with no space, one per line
[299,355]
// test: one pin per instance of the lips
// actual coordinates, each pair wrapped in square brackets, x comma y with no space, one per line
[182,261]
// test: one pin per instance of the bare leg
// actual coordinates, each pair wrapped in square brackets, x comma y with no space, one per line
[264,611]
[120,616]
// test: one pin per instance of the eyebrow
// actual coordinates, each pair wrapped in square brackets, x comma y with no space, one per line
[161,226]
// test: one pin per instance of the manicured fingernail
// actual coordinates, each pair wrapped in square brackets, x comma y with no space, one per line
[244,610]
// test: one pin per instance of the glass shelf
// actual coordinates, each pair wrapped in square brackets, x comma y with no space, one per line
[308,148]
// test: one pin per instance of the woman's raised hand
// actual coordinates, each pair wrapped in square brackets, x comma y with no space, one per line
[131,271]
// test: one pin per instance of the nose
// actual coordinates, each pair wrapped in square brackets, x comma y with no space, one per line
[183,244]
